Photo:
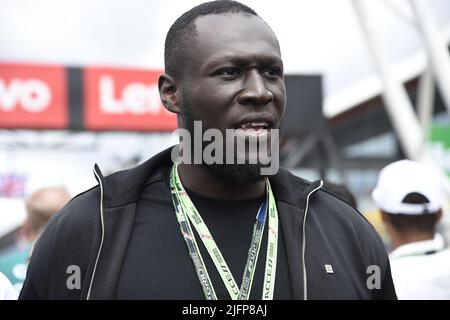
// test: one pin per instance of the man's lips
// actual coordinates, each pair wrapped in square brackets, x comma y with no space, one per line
[255,122]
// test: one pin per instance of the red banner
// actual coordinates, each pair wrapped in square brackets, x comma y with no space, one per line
[33,96]
[127,99]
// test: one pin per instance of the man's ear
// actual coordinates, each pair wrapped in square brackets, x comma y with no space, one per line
[438,215]
[168,93]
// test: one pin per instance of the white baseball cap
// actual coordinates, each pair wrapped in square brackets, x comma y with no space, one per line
[401,178]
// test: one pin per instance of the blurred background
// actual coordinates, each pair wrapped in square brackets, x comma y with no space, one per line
[368,83]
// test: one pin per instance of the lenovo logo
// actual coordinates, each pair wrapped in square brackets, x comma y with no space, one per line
[135,97]
[124,99]
[32,95]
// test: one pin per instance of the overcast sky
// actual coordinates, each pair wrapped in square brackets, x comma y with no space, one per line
[316,36]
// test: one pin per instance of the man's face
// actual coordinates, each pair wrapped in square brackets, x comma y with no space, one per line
[234,70]
[233,77]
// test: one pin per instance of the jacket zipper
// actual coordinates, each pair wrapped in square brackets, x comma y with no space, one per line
[305,280]
[97,175]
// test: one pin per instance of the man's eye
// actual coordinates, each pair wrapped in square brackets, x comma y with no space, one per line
[272,72]
[230,73]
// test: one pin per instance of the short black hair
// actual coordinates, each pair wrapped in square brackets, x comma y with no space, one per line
[183,30]
[420,223]
[413,223]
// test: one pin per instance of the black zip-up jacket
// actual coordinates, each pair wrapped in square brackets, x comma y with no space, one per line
[92,232]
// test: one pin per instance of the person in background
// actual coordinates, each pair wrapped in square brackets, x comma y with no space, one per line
[7,291]
[410,199]
[40,206]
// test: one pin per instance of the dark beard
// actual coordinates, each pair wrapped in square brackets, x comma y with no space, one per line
[235,174]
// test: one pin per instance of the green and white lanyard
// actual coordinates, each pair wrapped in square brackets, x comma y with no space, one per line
[187,214]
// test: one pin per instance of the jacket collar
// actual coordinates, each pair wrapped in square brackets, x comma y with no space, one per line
[124,187]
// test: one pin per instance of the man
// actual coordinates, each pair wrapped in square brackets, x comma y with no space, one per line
[410,200]
[40,206]
[188,231]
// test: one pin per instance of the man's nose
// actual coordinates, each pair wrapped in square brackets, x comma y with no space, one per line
[255,90]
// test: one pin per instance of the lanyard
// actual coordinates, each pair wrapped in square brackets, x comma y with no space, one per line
[187,213]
